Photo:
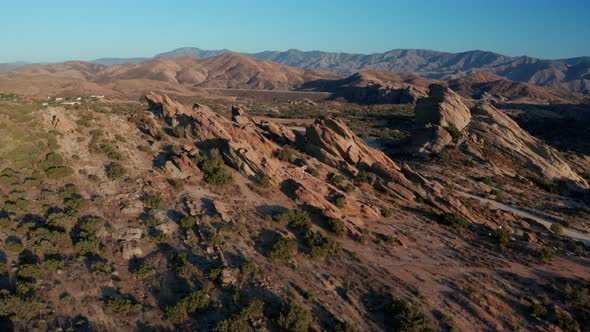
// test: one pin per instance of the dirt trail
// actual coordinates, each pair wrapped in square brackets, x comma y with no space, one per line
[576,235]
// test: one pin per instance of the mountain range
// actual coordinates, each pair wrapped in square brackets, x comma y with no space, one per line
[572,74]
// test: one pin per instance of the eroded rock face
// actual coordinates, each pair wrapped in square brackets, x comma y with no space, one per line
[332,142]
[442,108]
[494,136]
[435,115]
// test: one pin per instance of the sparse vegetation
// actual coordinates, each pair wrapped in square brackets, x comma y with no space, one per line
[115,170]
[283,249]
[295,318]
[294,218]
[453,220]
[407,317]
[320,245]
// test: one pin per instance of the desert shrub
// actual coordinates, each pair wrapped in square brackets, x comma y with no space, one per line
[152,201]
[175,149]
[213,169]
[544,254]
[58,172]
[453,131]
[321,246]
[89,225]
[177,184]
[337,226]
[8,176]
[407,317]
[545,184]
[101,269]
[62,220]
[501,236]
[339,201]
[385,212]
[486,180]
[313,171]
[556,228]
[538,310]
[237,322]
[286,154]
[52,159]
[263,180]
[295,318]
[87,247]
[13,245]
[188,221]
[118,307]
[294,218]
[179,131]
[19,310]
[454,220]
[144,270]
[120,138]
[54,263]
[348,188]
[470,163]
[196,302]
[344,326]
[47,242]
[144,148]
[283,249]
[336,179]
[115,170]
[29,271]
[363,177]
[568,324]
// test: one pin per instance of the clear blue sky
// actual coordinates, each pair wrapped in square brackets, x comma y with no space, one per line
[57,30]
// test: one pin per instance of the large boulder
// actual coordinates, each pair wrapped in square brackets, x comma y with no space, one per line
[437,115]
[442,108]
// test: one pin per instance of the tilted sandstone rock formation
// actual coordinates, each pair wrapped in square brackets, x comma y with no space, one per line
[494,136]
[436,114]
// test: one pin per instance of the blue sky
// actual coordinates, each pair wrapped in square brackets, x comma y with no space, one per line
[42,30]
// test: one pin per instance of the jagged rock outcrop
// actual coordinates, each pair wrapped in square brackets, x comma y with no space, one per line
[381,93]
[494,136]
[436,115]
[332,142]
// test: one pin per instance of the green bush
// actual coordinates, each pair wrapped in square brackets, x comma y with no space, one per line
[213,169]
[62,220]
[188,222]
[286,154]
[363,177]
[336,179]
[54,263]
[118,307]
[181,311]
[339,201]
[321,246]
[407,317]
[568,324]
[544,254]
[144,271]
[453,131]
[556,228]
[501,236]
[58,172]
[19,310]
[13,245]
[454,220]
[337,226]
[179,131]
[86,247]
[263,180]
[538,310]
[295,318]
[43,241]
[313,171]
[345,326]
[115,170]
[385,212]
[283,249]
[294,218]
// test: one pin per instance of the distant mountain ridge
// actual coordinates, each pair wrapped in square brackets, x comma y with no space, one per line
[571,74]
